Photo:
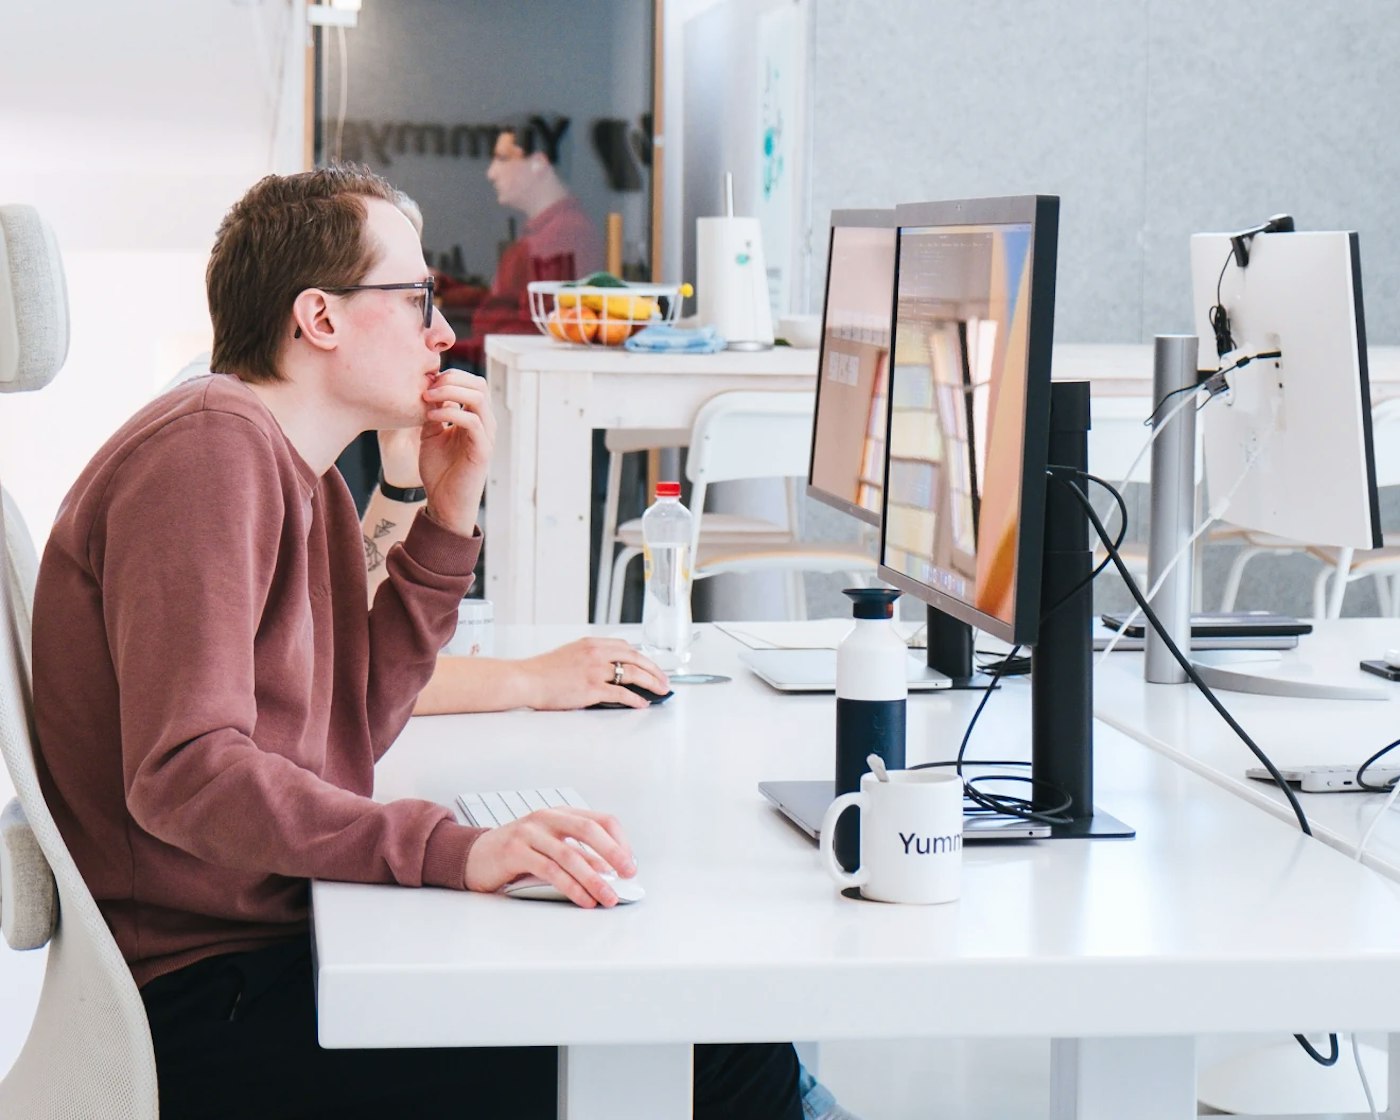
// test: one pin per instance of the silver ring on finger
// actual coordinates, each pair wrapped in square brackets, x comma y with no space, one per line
[617,672]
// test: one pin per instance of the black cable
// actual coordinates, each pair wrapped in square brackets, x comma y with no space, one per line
[1156,408]
[1156,624]
[1007,804]
[1184,662]
[1004,805]
[1361,771]
[1117,542]
[1219,317]
[1330,1060]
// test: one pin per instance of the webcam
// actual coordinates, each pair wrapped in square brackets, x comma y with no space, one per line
[1239,242]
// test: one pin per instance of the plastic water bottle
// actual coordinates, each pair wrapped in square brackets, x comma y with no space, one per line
[666,532]
[872,689]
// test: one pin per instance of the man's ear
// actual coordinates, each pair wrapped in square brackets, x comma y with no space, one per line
[312,319]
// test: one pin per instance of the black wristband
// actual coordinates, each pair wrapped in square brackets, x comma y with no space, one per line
[401,493]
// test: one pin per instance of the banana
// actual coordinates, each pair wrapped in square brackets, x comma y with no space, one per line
[631,308]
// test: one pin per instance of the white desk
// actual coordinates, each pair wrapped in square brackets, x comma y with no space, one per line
[1178,721]
[1217,918]
[549,397]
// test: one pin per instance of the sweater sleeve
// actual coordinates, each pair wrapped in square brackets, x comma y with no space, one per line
[413,616]
[187,563]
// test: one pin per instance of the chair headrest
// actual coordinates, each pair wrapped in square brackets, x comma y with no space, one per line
[33,301]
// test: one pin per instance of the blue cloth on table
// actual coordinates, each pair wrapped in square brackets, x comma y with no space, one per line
[662,338]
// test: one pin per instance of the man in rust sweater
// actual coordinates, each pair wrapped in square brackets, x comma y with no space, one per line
[211,694]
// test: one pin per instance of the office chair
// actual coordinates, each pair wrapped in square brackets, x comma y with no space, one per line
[1340,566]
[88,1053]
[746,435]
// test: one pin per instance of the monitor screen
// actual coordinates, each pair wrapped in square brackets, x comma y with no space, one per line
[1290,442]
[964,498]
[848,435]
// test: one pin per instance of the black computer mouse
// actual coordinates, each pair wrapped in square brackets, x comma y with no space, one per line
[645,693]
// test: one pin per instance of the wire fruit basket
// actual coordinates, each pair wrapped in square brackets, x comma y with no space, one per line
[585,315]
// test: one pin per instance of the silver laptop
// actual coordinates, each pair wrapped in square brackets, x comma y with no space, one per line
[805,804]
[814,670]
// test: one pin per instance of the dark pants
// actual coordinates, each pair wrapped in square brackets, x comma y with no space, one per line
[235,1036]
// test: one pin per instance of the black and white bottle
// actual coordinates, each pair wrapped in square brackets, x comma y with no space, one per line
[872,693]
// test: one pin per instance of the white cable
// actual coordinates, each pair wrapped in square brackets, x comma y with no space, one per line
[1360,852]
[1366,837]
[1361,1072]
[1158,429]
[1186,398]
[1217,511]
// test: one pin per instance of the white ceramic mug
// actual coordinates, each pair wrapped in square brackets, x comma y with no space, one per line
[910,837]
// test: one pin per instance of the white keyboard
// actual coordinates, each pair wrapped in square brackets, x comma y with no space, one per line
[487,810]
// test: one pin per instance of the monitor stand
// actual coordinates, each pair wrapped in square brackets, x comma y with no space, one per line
[1062,669]
[950,650]
[1173,509]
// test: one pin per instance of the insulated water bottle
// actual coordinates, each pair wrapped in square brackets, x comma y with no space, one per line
[872,693]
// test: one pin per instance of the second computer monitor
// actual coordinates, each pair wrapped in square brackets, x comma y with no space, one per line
[964,495]
[1291,443]
[848,433]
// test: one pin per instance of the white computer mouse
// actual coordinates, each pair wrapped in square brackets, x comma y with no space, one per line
[539,890]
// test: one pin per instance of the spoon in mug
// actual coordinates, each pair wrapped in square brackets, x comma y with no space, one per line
[877,766]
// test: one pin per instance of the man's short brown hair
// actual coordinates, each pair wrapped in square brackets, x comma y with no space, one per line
[287,234]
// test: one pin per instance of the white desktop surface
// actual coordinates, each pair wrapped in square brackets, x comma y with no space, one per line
[1178,721]
[1217,917]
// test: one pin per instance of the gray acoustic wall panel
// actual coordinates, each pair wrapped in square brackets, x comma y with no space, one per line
[1152,119]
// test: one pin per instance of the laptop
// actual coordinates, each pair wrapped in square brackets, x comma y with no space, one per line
[805,804]
[814,670]
[1226,624]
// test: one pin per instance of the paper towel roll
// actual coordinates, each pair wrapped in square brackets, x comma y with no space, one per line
[731,284]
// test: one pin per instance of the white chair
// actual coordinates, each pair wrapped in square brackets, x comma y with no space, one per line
[747,435]
[88,1053]
[1340,566]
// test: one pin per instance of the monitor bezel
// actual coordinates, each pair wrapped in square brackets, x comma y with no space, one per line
[844,219]
[1042,213]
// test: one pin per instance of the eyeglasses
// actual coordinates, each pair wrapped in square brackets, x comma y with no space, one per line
[425,286]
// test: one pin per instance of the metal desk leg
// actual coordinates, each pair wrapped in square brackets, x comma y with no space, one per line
[625,1082]
[1110,1078]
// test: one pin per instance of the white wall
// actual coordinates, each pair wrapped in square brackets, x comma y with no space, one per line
[132,127]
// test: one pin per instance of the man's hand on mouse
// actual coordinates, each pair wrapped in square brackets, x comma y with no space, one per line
[550,844]
[585,672]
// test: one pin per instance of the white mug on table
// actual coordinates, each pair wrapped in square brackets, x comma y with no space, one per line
[910,837]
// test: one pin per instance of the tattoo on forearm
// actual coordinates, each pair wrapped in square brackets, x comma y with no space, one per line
[384,528]
[374,559]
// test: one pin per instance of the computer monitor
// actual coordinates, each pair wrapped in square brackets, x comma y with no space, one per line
[1294,430]
[848,432]
[970,522]
[1289,440]
[964,498]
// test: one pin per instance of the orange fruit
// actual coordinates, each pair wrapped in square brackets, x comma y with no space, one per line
[572,324]
[614,332]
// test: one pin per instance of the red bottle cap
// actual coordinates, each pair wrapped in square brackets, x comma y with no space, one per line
[668,489]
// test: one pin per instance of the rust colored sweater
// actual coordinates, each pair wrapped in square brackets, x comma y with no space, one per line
[211,694]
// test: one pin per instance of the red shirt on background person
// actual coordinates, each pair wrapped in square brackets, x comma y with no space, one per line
[559,242]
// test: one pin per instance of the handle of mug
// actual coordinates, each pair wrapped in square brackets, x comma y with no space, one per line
[854,878]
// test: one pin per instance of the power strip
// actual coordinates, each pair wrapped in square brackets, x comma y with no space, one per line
[1327,779]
